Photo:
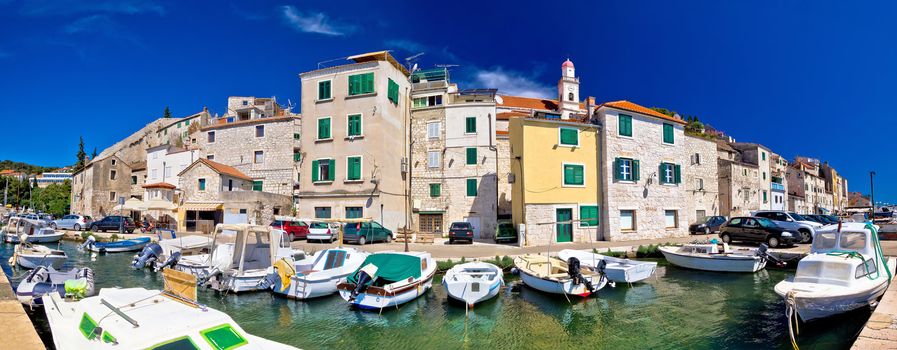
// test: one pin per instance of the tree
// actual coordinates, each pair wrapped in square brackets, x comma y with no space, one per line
[93,155]
[664,111]
[81,155]
[167,113]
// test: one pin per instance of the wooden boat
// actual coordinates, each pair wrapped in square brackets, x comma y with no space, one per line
[845,270]
[315,276]
[553,275]
[616,269]
[77,283]
[708,257]
[137,318]
[473,282]
[389,279]
[31,256]
[127,245]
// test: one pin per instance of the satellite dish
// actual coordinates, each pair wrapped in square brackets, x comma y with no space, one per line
[499,100]
[414,67]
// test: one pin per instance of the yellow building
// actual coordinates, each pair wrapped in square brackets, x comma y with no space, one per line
[556,181]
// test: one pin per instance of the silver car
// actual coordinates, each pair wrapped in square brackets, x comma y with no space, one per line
[792,222]
[72,222]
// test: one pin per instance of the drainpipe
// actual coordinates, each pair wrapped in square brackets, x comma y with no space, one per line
[599,155]
[493,148]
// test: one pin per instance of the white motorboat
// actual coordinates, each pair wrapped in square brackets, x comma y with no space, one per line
[473,282]
[31,256]
[75,283]
[37,231]
[241,265]
[844,271]
[708,257]
[389,279]
[137,318]
[166,252]
[553,275]
[616,269]
[314,276]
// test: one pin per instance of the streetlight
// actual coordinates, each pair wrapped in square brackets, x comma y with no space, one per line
[872,194]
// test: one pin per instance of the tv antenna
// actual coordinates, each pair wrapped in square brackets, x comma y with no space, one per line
[410,59]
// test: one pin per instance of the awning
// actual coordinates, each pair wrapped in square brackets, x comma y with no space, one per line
[159,204]
[202,206]
[130,204]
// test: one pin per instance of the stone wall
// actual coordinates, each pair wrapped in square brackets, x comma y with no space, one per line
[738,188]
[701,178]
[504,170]
[260,206]
[541,228]
[137,179]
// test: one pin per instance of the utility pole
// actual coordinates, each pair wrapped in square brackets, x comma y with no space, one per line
[872,195]
[5,191]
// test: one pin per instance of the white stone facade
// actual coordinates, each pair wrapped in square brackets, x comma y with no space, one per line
[701,178]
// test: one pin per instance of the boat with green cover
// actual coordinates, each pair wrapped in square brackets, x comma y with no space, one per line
[389,279]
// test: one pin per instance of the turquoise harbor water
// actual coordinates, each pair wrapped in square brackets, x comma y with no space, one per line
[681,309]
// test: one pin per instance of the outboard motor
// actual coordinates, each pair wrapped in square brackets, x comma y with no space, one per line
[91,240]
[763,252]
[574,270]
[170,262]
[147,256]
[361,285]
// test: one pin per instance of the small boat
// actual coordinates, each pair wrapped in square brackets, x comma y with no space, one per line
[473,282]
[708,257]
[314,276]
[166,252]
[31,256]
[553,275]
[138,318]
[127,245]
[845,270]
[616,269]
[37,231]
[75,283]
[389,279]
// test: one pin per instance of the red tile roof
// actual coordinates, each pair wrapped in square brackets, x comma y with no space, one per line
[225,169]
[502,132]
[531,103]
[509,115]
[632,107]
[160,185]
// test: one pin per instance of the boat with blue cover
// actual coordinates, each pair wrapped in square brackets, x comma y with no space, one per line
[128,245]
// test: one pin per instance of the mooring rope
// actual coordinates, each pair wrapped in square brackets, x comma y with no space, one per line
[791,313]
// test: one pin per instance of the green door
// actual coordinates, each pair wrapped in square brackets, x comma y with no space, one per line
[565,228]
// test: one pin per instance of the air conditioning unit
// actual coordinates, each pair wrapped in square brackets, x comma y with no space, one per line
[511,178]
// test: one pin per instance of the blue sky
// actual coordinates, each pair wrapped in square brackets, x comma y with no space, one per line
[801,77]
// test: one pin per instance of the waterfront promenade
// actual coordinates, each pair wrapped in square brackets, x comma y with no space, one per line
[19,333]
[880,331]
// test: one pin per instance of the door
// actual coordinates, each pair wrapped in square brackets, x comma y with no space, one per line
[475,224]
[564,226]
[751,230]
[377,232]
[430,223]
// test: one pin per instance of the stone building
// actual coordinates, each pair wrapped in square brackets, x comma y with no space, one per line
[779,182]
[701,178]
[355,149]
[739,182]
[453,155]
[181,132]
[760,156]
[805,179]
[258,137]
[642,155]
[99,186]
[836,186]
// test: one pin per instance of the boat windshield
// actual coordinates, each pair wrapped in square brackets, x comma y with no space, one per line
[853,240]
[766,223]
[797,217]
[825,241]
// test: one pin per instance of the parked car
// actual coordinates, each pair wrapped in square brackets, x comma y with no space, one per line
[505,232]
[822,219]
[366,232]
[834,219]
[756,229]
[114,223]
[72,222]
[296,229]
[707,225]
[461,231]
[792,222]
[323,231]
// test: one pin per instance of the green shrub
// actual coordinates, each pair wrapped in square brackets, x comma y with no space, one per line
[114,237]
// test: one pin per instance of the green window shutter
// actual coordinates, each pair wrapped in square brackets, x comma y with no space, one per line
[393,91]
[296,136]
[625,125]
[353,85]
[662,173]
[618,169]
[588,215]
[354,166]
[435,190]
[635,170]
[569,137]
[472,156]
[471,187]
[578,175]
[355,125]
[297,156]
[677,174]
[573,174]
[257,185]
[314,171]
[202,184]
[332,169]
[323,129]
[668,133]
[470,125]
[368,83]
[568,174]
[324,90]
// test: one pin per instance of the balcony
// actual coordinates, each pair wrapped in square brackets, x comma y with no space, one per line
[777,187]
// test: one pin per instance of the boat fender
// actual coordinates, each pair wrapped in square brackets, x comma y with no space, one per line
[575,273]
[170,262]
[147,256]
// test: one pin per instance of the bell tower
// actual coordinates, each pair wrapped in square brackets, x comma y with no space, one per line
[568,90]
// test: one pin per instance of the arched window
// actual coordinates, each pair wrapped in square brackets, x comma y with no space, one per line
[570,96]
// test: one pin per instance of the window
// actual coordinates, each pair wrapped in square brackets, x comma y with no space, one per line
[668,133]
[230,185]
[764,175]
[744,172]
[353,168]
[322,212]
[211,136]
[696,158]
[470,125]
[568,137]
[747,194]
[154,173]
[471,187]
[296,136]
[671,217]
[257,185]
[113,162]
[133,179]
[699,184]
[471,156]
[112,174]
[324,128]
[202,184]
[361,84]
[627,220]
[763,155]
[354,213]
[353,125]
[626,169]
[259,157]
[324,90]
[428,101]
[433,159]
[588,215]
[574,175]
[167,171]
[669,173]
[112,197]
[625,125]
[392,92]
[700,214]
[323,170]
[210,157]
[435,190]
[764,197]
[433,130]
[259,131]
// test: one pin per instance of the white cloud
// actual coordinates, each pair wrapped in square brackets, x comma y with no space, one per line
[512,83]
[312,22]
[405,45]
[70,7]
[103,25]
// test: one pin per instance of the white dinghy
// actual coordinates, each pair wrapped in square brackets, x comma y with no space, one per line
[38,231]
[553,275]
[616,269]
[844,271]
[31,256]
[708,257]
[315,276]
[473,282]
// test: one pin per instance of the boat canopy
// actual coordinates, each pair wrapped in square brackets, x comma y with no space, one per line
[391,266]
